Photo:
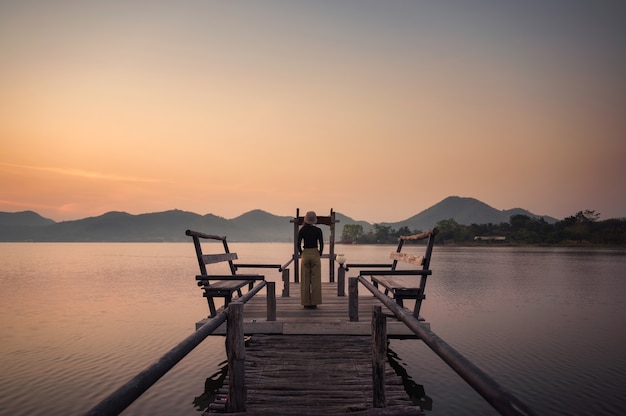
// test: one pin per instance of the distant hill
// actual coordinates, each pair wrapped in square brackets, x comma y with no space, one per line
[24,218]
[465,211]
[18,226]
[253,226]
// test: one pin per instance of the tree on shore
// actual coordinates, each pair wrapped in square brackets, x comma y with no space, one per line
[351,233]
[582,228]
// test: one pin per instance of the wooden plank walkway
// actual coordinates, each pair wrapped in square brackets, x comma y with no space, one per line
[308,375]
[315,361]
[331,317]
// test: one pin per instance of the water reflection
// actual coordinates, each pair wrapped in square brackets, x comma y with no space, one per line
[546,323]
[416,392]
[211,386]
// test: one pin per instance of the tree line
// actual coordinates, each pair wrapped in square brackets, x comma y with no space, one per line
[583,228]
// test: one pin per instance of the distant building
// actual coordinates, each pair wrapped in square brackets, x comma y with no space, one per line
[489,238]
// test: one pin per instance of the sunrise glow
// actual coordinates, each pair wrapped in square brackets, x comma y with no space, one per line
[377,110]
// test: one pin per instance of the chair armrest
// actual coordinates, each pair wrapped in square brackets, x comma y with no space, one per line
[230,277]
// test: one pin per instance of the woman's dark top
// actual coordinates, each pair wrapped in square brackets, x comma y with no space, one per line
[311,236]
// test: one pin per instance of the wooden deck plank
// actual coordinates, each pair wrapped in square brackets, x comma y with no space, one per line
[314,375]
[331,317]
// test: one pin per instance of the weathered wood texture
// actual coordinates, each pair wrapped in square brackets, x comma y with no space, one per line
[271,301]
[341,281]
[331,317]
[353,304]
[408,258]
[316,375]
[236,352]
[379,357]
[400,291]
[220,286]
[219,257]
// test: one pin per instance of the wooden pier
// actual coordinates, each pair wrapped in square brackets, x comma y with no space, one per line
[304,375]
[331,359]
[331,317]
[314,361]
[328,360]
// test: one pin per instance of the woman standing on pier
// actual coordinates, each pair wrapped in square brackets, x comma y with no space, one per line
[311,268]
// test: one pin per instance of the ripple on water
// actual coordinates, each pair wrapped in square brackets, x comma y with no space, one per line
[542,323]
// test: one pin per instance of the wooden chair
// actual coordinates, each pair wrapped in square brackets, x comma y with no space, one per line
[401,289]
[220,285]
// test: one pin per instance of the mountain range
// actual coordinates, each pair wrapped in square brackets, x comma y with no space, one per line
[253,226]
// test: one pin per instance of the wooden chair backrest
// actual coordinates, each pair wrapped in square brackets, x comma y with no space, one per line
[204,259]
[424,260]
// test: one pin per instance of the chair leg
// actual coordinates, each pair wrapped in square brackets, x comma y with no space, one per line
[209,299]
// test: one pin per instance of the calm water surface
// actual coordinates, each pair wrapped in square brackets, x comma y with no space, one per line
[79,320]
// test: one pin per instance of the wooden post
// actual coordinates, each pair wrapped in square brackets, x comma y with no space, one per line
[285,283]
[236,352]
[296,262]
[341,281]
[379,355]
[271,301]
[353,299]
[331,248]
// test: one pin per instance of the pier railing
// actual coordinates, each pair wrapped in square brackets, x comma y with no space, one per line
[498,397]
[124,396]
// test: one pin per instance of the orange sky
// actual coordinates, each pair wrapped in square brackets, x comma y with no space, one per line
[375,109]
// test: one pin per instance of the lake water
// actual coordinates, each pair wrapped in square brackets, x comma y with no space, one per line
[79,320]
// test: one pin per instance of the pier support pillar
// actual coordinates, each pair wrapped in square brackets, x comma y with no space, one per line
[353,299]
[379,355]
[271,301]
[236,352]
[341,281]
[285,275]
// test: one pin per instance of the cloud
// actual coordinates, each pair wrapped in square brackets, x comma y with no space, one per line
[83,173]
